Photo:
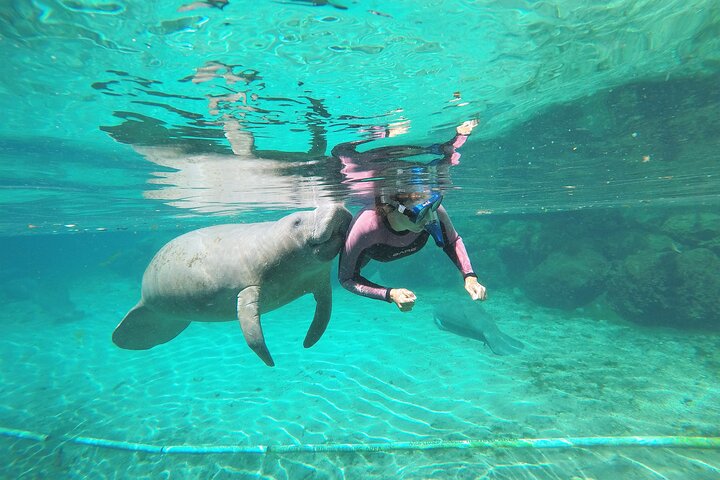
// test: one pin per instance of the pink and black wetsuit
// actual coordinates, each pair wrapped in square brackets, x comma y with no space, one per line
[370,237]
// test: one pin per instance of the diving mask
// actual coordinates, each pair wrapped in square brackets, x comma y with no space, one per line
[418,213]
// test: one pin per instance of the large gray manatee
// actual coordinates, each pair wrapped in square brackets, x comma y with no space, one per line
[240,271]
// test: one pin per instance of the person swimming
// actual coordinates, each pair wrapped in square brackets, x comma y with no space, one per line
[399,225]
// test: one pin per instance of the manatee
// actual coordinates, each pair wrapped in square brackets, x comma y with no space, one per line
[471,319]
[238,271]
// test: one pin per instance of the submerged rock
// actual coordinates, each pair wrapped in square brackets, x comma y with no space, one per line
[567,280]
[640,289]
[679,289]
[698,290]
[693,229]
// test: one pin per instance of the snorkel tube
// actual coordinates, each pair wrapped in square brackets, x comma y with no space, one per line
[435,230]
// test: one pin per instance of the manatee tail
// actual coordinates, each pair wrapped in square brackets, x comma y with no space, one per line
[142,329]
[485,331]
[502,344]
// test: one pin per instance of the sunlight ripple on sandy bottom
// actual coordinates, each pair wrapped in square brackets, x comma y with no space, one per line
[376,376]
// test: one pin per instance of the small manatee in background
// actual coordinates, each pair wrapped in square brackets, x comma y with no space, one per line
[471,319]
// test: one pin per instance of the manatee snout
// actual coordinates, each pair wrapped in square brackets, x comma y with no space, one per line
[331,225]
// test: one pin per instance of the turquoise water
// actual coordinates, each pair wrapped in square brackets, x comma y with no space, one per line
[587,196]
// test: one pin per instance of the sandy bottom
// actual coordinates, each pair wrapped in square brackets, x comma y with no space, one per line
[376,376]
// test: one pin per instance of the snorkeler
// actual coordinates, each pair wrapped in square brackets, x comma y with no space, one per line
[400,225]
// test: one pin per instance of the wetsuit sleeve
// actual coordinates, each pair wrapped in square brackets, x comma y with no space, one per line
[458,141]
[454,246]
[348,153]
[449,149]
[361,236]
[347,150]
[364,161]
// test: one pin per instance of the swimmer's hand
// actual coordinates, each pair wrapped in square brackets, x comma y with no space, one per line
[466,128]
[476,290]
[403,298]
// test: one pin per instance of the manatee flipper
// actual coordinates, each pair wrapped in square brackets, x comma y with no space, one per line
[142,328]
[241,142]
[323,298]
[248,311]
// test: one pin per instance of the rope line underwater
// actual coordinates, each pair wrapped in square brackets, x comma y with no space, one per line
[534,443]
